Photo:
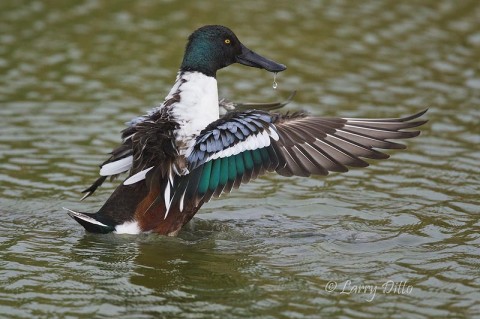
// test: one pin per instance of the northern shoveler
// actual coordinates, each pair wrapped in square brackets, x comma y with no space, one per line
[183,152]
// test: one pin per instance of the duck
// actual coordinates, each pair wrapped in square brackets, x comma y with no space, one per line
[194,147]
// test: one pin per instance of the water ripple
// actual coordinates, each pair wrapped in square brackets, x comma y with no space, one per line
[74,72]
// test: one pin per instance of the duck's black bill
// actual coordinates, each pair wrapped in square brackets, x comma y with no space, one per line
[250,58]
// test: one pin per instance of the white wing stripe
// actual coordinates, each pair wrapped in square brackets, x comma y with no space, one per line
[252,142]
[272,131]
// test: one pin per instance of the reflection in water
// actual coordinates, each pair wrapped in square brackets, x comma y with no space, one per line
[73,72]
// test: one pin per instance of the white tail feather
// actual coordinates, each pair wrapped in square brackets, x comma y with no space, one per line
[84,217]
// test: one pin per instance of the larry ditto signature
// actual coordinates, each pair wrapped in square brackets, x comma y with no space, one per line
[388,287]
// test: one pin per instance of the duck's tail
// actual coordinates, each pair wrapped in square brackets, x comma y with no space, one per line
[89,222]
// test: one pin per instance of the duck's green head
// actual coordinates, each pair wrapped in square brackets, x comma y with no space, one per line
[213,47]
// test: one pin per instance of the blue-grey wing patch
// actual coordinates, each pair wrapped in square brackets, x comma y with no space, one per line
[231,135]
[228,152]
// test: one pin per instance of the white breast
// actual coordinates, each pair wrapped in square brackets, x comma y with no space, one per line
[198,107]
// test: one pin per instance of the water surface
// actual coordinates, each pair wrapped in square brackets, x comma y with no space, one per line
[72,72]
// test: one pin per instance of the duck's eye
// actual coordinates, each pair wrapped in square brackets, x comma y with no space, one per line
[227,41]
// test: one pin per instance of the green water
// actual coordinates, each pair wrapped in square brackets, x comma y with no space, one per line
[72,72]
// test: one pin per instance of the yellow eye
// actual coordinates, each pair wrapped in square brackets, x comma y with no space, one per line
[227,41]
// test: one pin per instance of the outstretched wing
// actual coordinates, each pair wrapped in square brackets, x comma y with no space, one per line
[243,145]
